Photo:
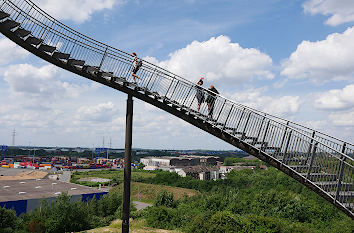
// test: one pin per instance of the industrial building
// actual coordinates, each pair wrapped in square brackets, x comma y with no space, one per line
[25,195]
[183,160]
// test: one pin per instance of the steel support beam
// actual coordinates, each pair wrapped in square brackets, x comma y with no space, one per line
[127,164]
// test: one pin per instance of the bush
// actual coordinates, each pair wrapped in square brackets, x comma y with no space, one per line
[162,217]
[225,221]
[8,220]
[165,198]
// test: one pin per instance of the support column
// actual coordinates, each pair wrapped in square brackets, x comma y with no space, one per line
[127,164]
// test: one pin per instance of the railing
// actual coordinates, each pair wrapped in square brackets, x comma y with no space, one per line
[323,160]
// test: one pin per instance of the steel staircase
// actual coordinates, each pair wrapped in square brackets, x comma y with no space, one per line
[319,161]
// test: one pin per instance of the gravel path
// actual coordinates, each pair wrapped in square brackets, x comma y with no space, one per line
[141,205]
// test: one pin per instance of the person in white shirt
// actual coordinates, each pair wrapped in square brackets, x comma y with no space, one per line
[136,66]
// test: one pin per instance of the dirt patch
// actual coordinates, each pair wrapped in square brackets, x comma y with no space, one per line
[26,175]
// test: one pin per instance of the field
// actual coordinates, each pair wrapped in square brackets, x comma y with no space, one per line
[148,192]
[139,191]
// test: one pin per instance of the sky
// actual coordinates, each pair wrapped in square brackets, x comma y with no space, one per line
[293,59]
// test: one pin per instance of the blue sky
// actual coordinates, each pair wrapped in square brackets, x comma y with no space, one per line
[293,59]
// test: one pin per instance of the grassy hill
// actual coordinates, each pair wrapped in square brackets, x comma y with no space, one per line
[148,192]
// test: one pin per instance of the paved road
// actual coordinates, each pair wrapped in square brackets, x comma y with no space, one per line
[140,205]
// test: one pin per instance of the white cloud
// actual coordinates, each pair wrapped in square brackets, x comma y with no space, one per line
[78,10]
[103,112]
[321,61]
[337,99]
[341,11]
[40,84]
[281,106]
[343,118]
[218,59]
[10,51]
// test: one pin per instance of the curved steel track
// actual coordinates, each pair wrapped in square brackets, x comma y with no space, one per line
[319,161]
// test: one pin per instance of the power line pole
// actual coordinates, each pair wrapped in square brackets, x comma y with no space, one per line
[13,137]
[110,146]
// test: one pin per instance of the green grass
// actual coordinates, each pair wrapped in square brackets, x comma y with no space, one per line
[135,226]
[148,192]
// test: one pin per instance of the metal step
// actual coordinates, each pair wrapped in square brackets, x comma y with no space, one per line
[261,144]
[248,138]
[191,111]
[90,69]
[74,62]
[147,92]
[215,123]
[344,194]
[143,89]
[33,40]
[288,159]
[276,149]
[60,55]
[329,177]
[302,168]
[105,74]
[118,79]
[4,15]
[20,32]
[349,205]
[326,185]
[9,24]
[47,48]
[232,129]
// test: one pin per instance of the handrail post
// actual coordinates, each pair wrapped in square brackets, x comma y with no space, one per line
[152,75]
[227,118]
[104,56]
[339,184]
[312,160]
[173,92]
[187,95]
[312,138]
[286,147]
[244,128]
[221,110]
[284,135]
[265,133]
[260,129]
[238,124]
[169,87]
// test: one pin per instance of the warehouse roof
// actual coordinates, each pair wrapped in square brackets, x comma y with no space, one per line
[12,190]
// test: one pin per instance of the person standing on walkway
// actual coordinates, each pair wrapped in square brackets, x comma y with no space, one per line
[137,63]
[200,93]
[212,92]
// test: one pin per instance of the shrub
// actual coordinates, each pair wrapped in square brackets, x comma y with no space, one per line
[165,198]
[162,217]
[8,220]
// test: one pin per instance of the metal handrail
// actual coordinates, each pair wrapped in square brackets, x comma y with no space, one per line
[283,141]
[154,66]
[102,45]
